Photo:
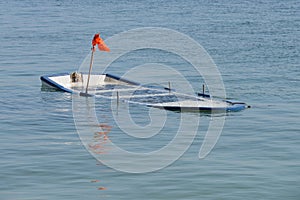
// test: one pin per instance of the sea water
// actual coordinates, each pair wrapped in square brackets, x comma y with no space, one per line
[255,45]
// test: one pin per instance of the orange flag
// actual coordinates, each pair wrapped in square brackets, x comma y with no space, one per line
[97,40]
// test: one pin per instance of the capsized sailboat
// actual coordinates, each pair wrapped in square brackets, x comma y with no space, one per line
[113,87]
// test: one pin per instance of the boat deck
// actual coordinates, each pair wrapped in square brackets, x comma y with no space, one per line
[158,97]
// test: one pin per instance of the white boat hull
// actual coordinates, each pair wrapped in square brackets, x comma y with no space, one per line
[107,86]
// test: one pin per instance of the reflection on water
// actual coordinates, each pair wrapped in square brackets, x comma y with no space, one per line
[97,146]
[100,139]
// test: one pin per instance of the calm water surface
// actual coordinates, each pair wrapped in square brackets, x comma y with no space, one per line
[256,47]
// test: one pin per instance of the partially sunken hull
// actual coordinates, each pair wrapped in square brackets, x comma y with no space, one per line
[113,87]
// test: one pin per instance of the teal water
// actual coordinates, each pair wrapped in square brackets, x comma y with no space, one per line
[256,47]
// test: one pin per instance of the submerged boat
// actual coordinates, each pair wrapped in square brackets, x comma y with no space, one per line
[113,87]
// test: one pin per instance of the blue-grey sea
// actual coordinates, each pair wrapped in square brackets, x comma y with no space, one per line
[256,46]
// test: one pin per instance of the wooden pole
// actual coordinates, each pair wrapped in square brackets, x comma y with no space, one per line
[91,65]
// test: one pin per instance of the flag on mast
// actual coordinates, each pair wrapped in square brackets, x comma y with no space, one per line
[97,40]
